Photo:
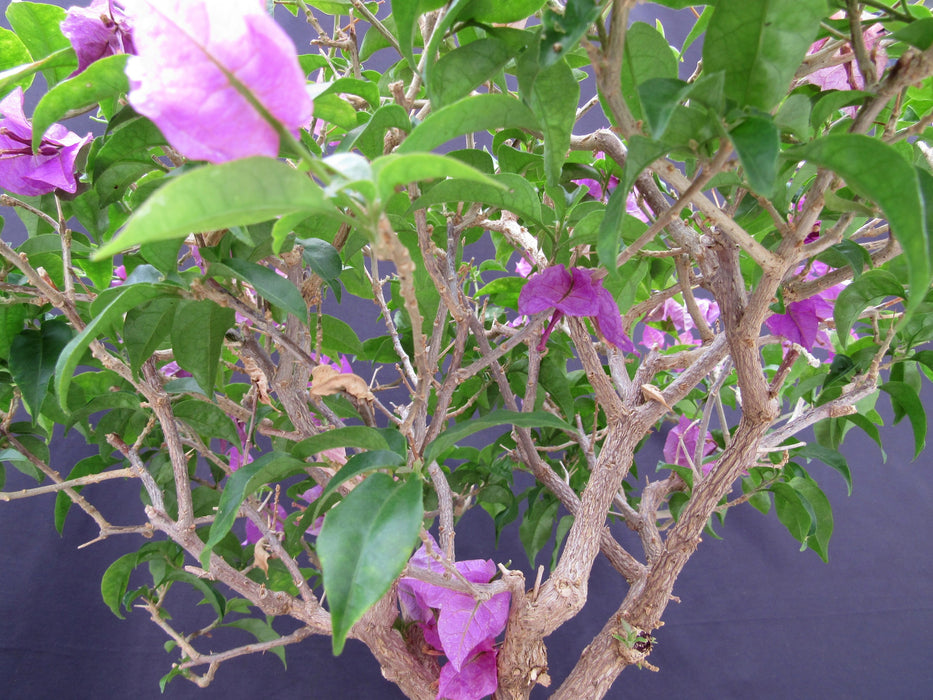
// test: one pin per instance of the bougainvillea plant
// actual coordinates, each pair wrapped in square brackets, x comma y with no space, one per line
[573,239]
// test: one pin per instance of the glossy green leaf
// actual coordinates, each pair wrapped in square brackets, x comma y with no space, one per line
[461,70]
[206,419]
[369,138]
[757,143]
[277,290]
[12,319]
[269,468]
[359,436]
[13,54]
[358,464]
[364,544]
[791,511]
[520,197]
[125,298]
[147,328]
[878,172]
[103,79]
[338,337]
[23,74]
[907,400]
[322,258]
[197,339]
[648,57]
[532,419]
[212,197]
[38,27]
[466,116]
[918,33]
[89,465]
[128,143]
[869,289]
[760,44]
[33,356]
[562,32]
[831,458]
[398,169]
[262,630]
[536,527]
[553,94]
[659,97]
[116,578]
[498,12]
[821,515]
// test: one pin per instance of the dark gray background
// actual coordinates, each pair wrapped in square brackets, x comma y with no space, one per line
[758,619]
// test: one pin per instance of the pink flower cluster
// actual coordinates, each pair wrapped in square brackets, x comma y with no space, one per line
[574,292]
[680,446]
[50,167]
[802,321]
[457,625]
[676,320]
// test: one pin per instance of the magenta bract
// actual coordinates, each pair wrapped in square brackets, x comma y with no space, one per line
[574,292]
[180,78]
[99,30]
[680,447]
[48,169]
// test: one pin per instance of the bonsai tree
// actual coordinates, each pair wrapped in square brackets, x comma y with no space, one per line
[570,247]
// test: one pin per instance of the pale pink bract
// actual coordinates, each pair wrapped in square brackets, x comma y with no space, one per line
[180,77]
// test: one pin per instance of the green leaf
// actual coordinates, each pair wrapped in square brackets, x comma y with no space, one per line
[358,464]
[359,436]
[878,172]
[369,138]
[760,44]
[520,196]
[322,258]
[398,169]
[821,515]
[562,32]
[832,458]
[103,79]
[461,70]
[270,467]
[466,116]
[918,33]
[23,74]
[263,632]
[338,337]
[553,94]
[791,511]
[648,56]
[147,328]
[659,97]
[537,525]
[114,582]
[13,53]
[124,299]
[21,463]
[212,197]
[12,319]
[277,290]
[38,27]
[364,544]
[33,356]
[905,398]
[498,12]
[532,419]
[757,143]
[89,465]
[206,419]
[869,289]
[197,339]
